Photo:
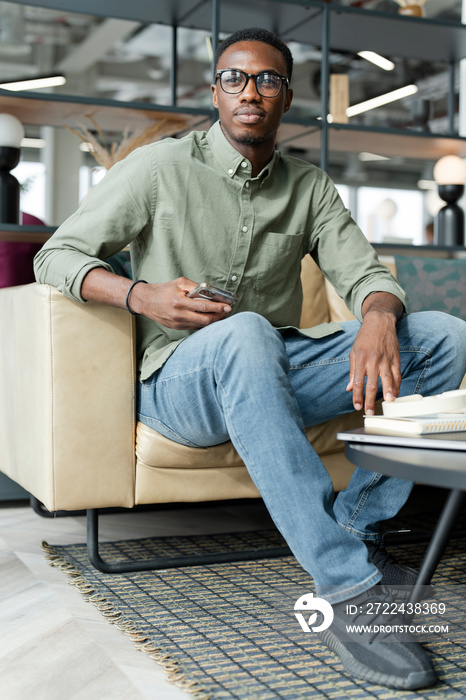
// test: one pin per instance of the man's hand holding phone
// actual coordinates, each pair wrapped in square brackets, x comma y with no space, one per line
[208,291]
[176,304]
[167,303]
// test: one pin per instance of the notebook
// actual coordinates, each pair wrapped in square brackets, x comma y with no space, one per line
[419,425]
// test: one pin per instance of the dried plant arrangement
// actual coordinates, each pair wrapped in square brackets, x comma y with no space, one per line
[107,154]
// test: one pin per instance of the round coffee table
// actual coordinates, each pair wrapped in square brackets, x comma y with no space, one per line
[436,460]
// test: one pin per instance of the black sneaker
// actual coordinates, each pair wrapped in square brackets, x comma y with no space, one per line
[398,578]
[391,657]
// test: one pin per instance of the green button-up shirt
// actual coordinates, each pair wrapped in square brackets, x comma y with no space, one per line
[191,207]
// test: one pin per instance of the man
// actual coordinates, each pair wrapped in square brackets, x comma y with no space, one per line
[227,208]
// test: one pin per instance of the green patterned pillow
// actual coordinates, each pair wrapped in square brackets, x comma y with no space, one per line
[433,284]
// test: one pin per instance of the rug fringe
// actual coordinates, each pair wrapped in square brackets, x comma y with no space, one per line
[175,673]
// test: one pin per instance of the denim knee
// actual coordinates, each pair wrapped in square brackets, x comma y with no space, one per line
[455,340]
[245,324]
[250,335]
[438,324]
[441,333]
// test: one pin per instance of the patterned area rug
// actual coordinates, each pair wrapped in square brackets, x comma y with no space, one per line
[229,631]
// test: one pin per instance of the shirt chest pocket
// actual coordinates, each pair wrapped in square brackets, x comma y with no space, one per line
[279,262]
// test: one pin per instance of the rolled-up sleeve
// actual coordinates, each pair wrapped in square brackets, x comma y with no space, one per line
[344,254]
[112,215]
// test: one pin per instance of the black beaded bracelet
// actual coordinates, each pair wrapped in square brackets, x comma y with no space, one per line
[129,292]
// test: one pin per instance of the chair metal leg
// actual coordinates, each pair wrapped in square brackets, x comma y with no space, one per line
[120,567]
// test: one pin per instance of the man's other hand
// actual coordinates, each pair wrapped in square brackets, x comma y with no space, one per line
[375,352]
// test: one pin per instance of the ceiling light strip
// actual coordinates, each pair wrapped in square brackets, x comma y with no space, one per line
[377,59]
[32,143]
[367,157]
[382,100]
[34,83]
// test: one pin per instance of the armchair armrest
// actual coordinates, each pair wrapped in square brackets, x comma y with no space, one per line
[67,394]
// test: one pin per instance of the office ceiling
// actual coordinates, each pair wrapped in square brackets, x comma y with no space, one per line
[128,60]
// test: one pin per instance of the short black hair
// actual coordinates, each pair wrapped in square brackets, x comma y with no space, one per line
[257,34]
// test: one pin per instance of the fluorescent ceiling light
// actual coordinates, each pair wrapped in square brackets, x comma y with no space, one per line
[32,143]
[382,100]
[427,184]
[365,156]
[34,83]
[377,59]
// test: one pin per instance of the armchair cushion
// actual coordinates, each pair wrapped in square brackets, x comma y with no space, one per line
[164,468]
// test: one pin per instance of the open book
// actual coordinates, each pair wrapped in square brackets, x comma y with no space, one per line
[420,425]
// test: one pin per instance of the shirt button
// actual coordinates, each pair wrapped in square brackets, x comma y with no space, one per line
[230,172]
[244,164]
[246,184]
[234,278]
[245,229]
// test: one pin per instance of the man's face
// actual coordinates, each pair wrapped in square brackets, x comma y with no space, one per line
[248,118]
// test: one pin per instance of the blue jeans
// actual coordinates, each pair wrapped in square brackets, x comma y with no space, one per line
[241,379]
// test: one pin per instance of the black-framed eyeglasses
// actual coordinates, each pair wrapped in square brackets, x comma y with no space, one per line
[233,81]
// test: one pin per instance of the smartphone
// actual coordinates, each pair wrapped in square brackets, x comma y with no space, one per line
[208,291]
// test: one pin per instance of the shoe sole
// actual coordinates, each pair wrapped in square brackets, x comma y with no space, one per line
[415,680]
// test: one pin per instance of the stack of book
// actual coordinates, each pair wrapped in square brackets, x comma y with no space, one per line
[418,415]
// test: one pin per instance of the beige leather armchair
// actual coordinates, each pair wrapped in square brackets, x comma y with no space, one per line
[68,432]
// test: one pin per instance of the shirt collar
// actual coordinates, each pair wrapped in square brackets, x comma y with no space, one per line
[230,159]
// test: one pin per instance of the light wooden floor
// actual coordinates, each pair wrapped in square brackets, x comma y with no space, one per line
[56,646]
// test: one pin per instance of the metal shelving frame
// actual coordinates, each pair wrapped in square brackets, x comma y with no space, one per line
[329,26]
